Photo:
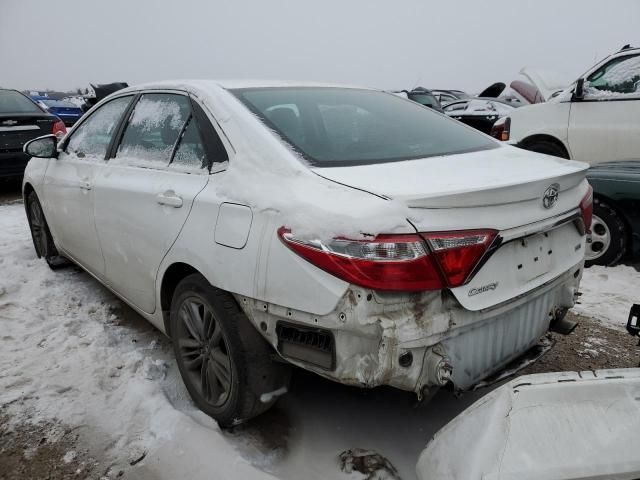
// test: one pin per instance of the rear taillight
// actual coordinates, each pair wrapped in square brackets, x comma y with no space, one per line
[586,209]
[59,130]
[411,262]
[458,253]
[500,129]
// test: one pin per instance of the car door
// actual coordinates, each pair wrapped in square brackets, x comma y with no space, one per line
[144,196]
[68,198]
[605,124]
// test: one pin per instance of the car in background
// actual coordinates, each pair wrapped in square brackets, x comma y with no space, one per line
[381,249]
[478,112]
[423,96]
[446,96]
[615,230]
[21,120]
[597,119]
[66,111]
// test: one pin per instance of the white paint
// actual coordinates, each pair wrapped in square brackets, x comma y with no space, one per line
[233,225]
[554,426]
[603,127]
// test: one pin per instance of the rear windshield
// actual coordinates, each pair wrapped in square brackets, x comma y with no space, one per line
[14,102]
[333,127]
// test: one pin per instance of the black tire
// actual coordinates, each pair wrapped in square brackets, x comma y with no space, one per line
[547,147]
[608,242]
[41,235]
[224,362]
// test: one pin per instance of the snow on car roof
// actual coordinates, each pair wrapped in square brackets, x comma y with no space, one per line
[231,84]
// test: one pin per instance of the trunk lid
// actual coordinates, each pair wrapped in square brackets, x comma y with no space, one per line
[500,189]
[18,128]
[498,176]
[546,82]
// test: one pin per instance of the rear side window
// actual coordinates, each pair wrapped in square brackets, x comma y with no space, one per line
[15,102]
[169,130]
[333,127]
[154,127]
[91,139]
[190,153]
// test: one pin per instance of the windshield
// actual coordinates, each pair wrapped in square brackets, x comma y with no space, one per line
[14,102]
[333,127]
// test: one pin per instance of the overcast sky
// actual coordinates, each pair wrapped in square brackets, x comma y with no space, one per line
[465,44]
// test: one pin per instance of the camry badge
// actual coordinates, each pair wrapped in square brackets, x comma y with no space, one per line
[550,196]
[483,289]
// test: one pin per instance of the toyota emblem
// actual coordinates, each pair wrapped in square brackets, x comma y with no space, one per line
[550,196]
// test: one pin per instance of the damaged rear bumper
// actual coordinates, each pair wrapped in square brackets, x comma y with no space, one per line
[412,341]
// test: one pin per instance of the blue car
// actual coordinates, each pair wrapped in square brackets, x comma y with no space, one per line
[64,110]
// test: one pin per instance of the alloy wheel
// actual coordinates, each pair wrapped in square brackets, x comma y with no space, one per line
[204,351]
[38,229]
[599,240]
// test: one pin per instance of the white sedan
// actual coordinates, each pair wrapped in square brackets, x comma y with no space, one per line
[343,230]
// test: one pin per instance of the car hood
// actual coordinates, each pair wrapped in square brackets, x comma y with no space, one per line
[488,177]
[569,426]
[617,169]
[546,82]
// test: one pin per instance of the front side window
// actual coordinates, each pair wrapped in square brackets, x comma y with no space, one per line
[154,127]
[91,139]
[347,126]
[619,77]
[15,102]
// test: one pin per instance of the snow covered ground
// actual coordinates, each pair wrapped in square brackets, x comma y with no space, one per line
[608,293]
[71,352]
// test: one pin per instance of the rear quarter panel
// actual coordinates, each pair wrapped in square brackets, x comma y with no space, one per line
[263,269]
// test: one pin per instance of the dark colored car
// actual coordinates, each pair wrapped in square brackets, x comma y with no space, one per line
[446,96]
[478,112]
[20,121]
[424,97]
[64,110]
[615,231]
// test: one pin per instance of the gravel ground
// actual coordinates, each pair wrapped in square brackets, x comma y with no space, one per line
[54,451]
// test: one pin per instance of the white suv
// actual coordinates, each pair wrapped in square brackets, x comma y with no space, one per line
[343,230]
[597,119]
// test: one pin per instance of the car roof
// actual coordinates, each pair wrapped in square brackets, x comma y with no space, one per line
[231,84]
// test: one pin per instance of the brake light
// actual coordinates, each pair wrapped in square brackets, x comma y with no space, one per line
[458,253]
[586,209]
[501,129]
[59,130]
[407,262]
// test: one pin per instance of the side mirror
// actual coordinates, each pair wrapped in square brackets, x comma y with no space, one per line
[42,147]
[578,92]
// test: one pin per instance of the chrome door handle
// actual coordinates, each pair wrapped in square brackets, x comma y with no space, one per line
[169,198]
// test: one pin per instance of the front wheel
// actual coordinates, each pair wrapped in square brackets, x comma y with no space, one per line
[41,235]
[224,362]
[607,242]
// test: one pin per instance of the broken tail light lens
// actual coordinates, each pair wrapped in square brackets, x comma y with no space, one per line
[407,262]
[59,129]
[586,209]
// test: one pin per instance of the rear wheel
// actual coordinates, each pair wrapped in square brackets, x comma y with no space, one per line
[225,363]
[607,242]
[41,235]
[547,147]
